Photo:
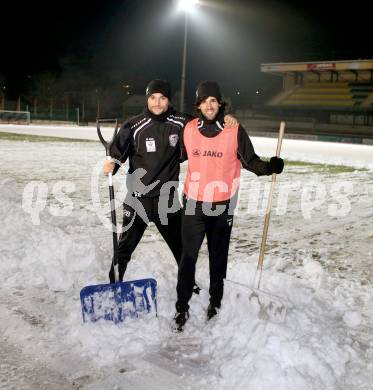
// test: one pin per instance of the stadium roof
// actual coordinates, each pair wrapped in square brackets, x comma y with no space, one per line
[321,66]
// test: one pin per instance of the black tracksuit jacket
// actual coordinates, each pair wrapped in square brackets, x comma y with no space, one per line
[151,142]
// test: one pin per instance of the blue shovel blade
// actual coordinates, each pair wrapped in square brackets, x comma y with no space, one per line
[117,301]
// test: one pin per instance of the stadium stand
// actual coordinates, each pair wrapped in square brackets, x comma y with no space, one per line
[331,85]
[319,95]
[336,96]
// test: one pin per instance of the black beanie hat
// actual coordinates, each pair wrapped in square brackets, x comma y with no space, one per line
[159,86]
[206,89]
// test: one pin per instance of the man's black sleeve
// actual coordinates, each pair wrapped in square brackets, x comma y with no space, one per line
[247,156]
[121,147]
[183,152]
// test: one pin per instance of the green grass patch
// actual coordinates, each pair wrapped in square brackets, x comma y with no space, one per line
[323,168]
[38,138]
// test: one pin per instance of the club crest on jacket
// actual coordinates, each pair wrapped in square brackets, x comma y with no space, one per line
[173,138]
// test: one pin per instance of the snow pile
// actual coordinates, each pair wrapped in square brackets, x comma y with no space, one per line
[41,255]
[313,348]
[325,341]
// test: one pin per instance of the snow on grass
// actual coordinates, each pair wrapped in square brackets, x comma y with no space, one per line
[321,267]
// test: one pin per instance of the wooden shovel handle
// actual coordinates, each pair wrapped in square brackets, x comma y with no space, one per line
[280,137]
[269,204]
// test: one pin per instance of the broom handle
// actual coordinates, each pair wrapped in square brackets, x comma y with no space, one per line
[269,207]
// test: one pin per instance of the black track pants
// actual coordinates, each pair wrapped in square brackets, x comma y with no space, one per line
[136,216]
[218,231]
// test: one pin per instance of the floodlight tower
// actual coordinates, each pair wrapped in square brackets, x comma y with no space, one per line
[185,6]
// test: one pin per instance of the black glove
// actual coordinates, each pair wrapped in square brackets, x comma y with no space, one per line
[276,164]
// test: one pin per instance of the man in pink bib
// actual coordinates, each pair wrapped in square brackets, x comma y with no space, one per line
[215,155]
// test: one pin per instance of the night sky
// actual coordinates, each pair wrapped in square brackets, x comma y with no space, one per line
[137,40]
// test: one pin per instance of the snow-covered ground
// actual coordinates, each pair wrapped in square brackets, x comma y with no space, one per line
[319,259]
[312,151]
[74,132]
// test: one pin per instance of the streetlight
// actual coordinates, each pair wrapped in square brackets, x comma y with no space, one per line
[186,6]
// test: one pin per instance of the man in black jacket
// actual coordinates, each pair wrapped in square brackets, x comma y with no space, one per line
[151,142]
[215,155]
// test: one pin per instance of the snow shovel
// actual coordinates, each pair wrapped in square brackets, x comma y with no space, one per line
[117,300]
[271,306]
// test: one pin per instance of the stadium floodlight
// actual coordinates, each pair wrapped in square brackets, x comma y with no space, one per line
[187,5]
